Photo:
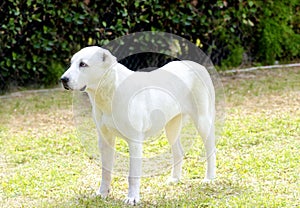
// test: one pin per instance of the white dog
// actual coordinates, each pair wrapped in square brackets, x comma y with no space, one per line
[136,105]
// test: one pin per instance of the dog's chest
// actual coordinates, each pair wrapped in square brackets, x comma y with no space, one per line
[108,126]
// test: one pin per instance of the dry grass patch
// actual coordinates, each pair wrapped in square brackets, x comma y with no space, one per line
[43,163]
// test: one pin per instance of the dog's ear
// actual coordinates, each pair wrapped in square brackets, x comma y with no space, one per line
[104,55]
[107,57]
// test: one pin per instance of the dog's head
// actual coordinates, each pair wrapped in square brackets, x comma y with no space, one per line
[87,67]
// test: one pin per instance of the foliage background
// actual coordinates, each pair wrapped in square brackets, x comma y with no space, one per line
[37,37]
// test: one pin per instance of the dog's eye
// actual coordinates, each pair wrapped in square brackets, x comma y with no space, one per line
[82,64]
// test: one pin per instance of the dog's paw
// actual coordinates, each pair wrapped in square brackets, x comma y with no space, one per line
[102,193]
[131,201]
[207,181]
[172,180]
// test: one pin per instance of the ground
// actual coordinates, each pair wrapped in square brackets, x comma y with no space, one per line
[44,164]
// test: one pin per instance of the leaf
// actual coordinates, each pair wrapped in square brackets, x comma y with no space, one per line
[250,23]
[14,55]
[250,3]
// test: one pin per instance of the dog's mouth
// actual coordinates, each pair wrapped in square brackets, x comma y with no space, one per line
[83,89]
[66,86]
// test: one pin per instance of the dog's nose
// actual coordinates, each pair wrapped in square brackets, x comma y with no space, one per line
[64,81]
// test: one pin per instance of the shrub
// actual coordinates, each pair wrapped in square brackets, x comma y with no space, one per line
[276,37]
[37,37]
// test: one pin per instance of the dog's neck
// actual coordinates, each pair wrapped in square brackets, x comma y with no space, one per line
[101,95]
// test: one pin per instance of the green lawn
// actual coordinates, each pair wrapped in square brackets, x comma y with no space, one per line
[44,164]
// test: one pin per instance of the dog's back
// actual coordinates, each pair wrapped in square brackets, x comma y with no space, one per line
[197,79]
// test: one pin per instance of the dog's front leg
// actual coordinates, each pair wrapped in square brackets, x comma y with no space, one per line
[107,158]
[135,172]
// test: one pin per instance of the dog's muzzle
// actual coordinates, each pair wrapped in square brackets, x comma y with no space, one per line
[64,81]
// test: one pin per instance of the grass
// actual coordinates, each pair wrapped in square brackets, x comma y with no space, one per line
[43,163]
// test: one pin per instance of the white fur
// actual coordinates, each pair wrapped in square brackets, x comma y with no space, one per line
[183,88]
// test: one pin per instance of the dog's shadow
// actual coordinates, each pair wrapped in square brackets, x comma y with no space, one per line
[90,200]
[191,193]
[195,193]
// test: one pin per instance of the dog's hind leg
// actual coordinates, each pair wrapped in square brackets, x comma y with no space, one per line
[210,148]
[173,129]
[207,132]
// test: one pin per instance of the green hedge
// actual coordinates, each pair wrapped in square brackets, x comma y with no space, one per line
[37,37]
